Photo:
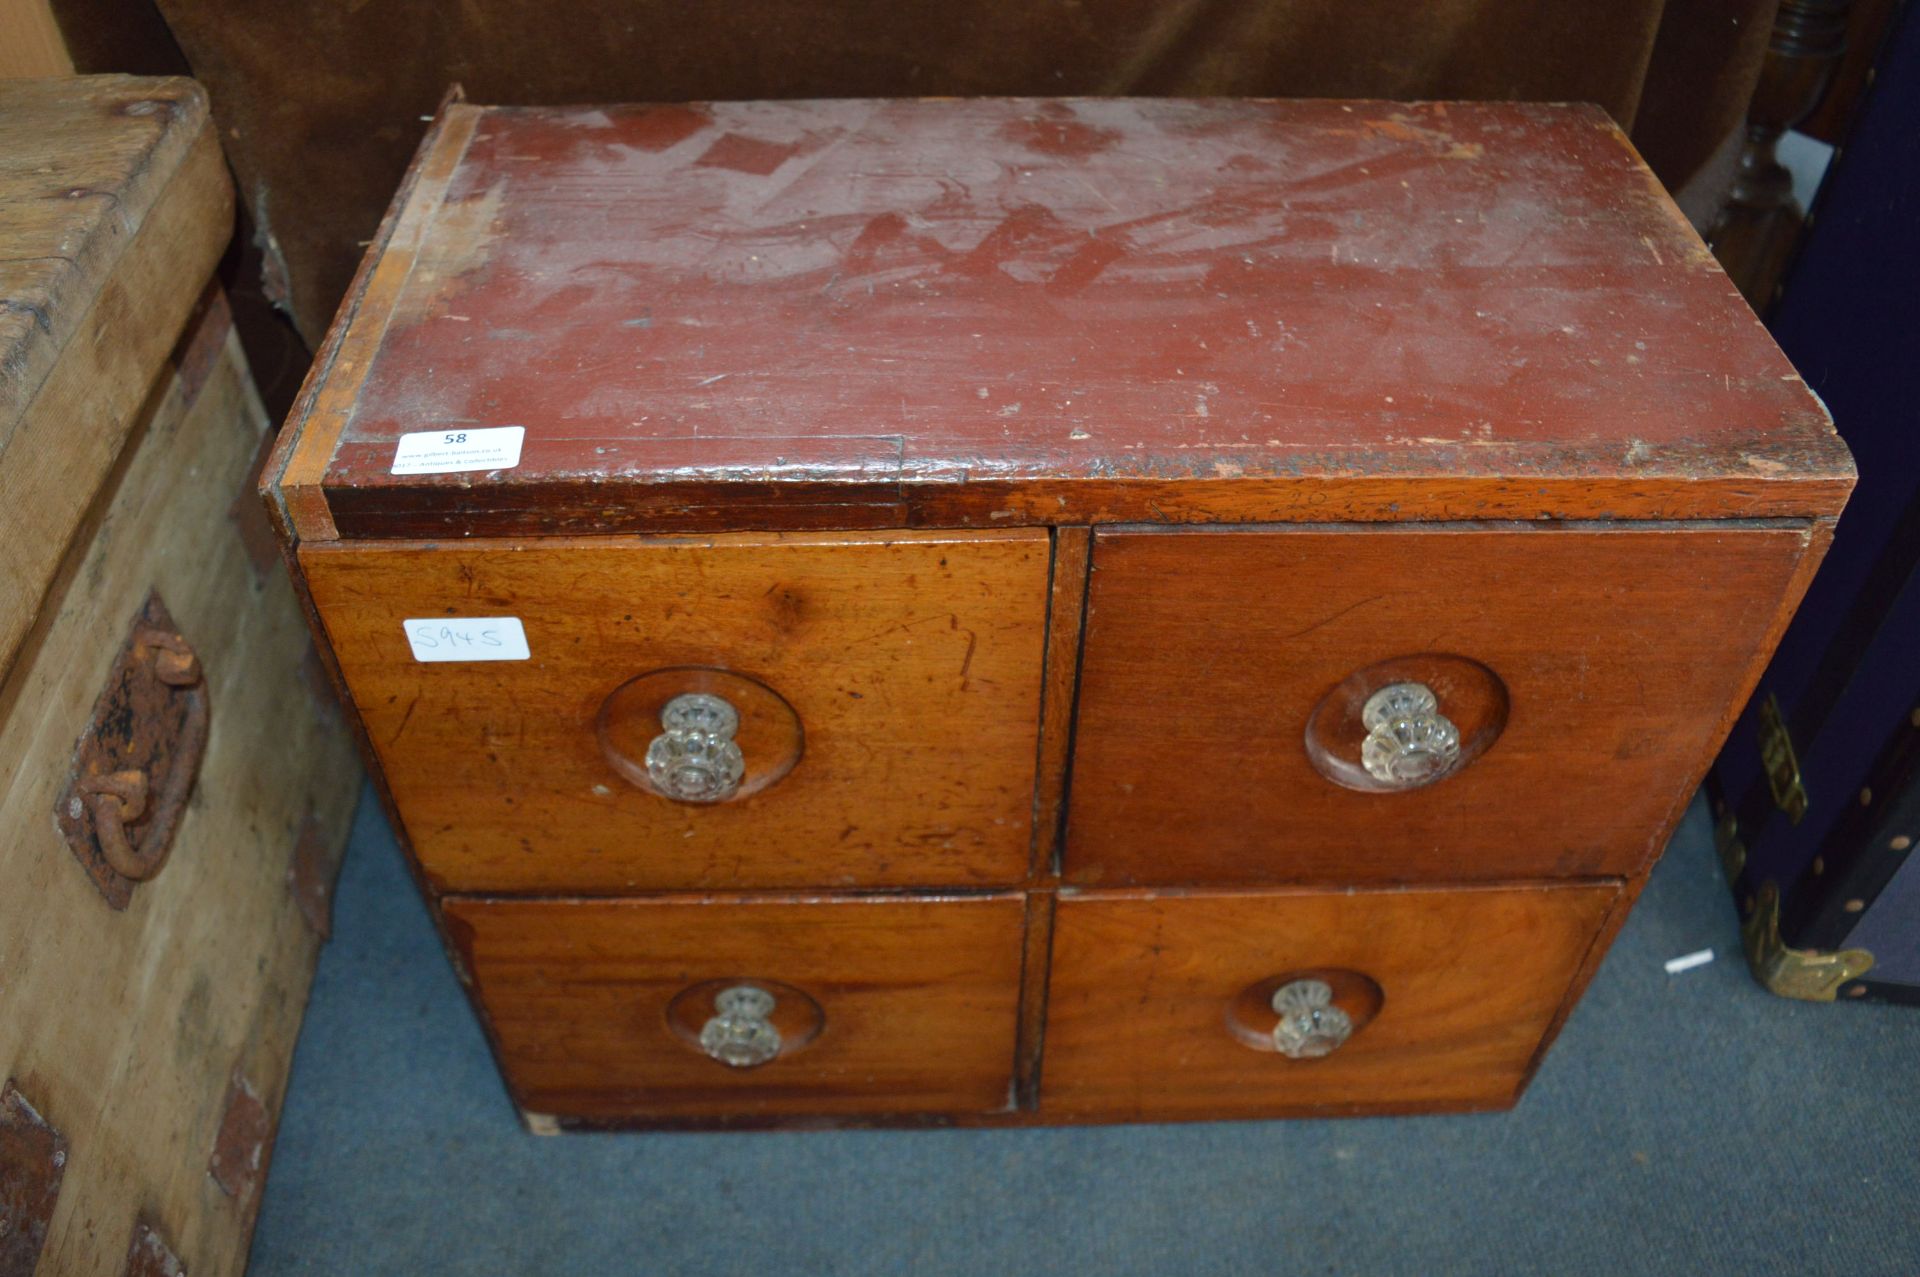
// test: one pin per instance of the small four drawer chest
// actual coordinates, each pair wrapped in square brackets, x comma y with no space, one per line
[1022,610]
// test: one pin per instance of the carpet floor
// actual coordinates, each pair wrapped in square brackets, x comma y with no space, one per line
[1684,1124]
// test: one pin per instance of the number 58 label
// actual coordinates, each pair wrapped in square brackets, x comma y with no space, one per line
[466,638]
[453,449]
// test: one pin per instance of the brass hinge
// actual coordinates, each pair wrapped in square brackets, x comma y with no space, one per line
[1811,975]
[1782,764]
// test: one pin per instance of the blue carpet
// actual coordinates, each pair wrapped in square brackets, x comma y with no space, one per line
[1684,1124]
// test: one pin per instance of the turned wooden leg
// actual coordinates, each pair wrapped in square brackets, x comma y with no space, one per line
[1756,229]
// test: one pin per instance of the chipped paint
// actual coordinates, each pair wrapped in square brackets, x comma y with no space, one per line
[851,303]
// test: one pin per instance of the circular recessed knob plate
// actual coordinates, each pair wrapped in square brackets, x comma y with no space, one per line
[697,734]
[1319,1009]
[744,1021]
[740,1035]
[696,760]
[1406,722]
[1310,1025]
[1409,741]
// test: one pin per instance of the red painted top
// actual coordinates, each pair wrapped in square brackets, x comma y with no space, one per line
[858,313]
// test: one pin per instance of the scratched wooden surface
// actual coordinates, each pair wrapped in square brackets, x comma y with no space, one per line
[114,208]
[1145,988]
[912,662]
[1207,652]
[858,313]
[917,1002]
[124,1028]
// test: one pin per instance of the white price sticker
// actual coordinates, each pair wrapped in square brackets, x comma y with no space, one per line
[466,638]
[453,450]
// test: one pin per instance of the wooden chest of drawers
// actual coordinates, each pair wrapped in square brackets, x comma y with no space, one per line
[1040,611]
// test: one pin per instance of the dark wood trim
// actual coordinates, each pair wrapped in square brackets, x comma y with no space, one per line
[611,505]
[1035,970]
[1066,619]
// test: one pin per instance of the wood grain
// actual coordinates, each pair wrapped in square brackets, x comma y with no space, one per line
[912,660]
[918,999]
[993,311]
[1206,653]
[125,1027]
[1821,539]
[114,208]
[1142,984]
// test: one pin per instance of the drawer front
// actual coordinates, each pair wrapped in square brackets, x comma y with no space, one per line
[1164,1006]
[1587,677]
[748,1008]
[886,691]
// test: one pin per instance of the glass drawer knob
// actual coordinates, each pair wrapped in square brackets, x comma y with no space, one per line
[740,1035]
[695,760]
[1310,1025]
[1409,741]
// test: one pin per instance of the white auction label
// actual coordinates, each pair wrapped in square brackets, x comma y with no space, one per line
[466,638]
[451,451]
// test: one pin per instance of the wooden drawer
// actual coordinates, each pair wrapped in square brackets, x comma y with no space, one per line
[1613,654]
[899,675]
[1161,1005]
[881,1006]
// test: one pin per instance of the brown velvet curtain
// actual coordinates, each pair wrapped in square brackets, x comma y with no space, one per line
[320,102]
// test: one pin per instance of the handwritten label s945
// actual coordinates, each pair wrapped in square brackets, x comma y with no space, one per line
[466,638]
[458,448]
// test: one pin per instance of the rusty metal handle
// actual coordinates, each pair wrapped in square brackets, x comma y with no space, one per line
[113,800]
[174,663]
[134,768]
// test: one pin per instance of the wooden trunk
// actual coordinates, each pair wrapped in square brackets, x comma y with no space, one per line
[146,1022]
[1023,611]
